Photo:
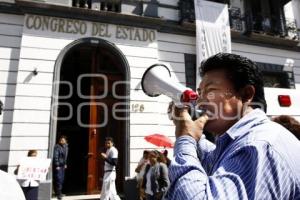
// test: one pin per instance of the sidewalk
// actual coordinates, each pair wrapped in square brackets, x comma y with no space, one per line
[80,197]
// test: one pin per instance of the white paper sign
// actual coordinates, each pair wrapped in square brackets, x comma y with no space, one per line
[34,168]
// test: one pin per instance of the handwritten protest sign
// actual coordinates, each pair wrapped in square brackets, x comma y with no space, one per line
[33,168]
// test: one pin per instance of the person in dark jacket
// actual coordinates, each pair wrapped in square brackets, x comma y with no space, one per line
[156,180]
[60,165]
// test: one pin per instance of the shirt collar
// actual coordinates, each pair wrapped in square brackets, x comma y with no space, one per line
[239,129]
[242,127]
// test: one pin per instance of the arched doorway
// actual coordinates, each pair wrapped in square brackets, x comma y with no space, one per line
[93,86]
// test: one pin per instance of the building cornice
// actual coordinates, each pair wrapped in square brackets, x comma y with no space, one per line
[160,24]
[264,40]
[22,7]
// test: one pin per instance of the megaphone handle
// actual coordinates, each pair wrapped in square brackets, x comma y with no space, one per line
[195,113]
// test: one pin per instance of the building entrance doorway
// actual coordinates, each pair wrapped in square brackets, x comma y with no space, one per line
[92,91]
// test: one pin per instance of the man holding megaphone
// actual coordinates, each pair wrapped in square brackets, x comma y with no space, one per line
[253,158]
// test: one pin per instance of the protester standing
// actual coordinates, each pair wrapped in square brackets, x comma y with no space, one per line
[165,154]
[156,180]
[109,191]
[29,186]
[60,165]
[140,170]
[254,158]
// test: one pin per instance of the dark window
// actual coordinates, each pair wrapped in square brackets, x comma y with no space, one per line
[275,76]
[235,18]
[265,16]
[190,70]
[101,5]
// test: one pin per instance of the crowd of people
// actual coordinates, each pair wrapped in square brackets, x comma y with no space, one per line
[152,175]
[250,157]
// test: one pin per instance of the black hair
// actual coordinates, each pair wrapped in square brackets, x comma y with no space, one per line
[165,152]
[241,71]
[289,123]
[31,151]
[63,136]
[109,139]
[145,152]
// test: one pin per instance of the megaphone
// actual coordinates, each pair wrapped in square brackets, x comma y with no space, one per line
[157,80]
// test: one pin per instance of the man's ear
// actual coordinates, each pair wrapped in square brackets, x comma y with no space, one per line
[247,93]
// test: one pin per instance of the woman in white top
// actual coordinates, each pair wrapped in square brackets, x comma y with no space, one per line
[30,187]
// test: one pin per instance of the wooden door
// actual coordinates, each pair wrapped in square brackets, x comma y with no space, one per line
[93,137]
[103,123]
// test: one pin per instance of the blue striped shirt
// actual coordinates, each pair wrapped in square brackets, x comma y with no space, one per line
[255,159]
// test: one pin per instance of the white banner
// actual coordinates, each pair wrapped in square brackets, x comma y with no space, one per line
[212,30]
[33,168]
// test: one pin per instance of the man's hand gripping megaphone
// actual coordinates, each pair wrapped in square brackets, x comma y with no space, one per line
[185,124]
